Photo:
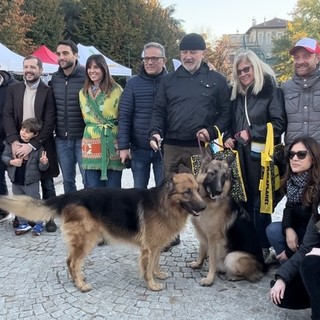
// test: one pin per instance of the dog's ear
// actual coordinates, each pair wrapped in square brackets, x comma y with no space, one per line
[168,182]
[207,157]
[184,169]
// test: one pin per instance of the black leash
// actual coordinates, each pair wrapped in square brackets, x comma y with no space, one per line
[161,155]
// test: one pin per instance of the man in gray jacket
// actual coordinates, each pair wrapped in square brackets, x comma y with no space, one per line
[302,93]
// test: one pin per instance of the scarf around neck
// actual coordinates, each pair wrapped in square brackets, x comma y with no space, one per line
[296,185]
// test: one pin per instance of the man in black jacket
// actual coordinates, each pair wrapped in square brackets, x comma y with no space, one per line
[189,103]
[135,112]
[5,80]
[66,84]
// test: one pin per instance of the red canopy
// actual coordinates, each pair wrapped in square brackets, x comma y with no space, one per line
[46,55]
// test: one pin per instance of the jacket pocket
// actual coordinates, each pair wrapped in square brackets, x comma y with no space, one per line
[292,101]
[316,101]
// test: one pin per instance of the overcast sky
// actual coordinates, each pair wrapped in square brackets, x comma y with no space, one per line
[228,16]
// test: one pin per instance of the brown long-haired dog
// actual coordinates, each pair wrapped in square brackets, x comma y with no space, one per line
[226,234]
[149,219]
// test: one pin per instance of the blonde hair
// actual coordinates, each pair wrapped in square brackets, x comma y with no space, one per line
[260,69]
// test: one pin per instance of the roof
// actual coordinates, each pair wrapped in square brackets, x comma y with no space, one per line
[273,23]
[46,55]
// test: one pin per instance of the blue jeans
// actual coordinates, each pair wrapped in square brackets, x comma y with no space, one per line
[92,178]
[69,154]
[140,166]
[48,188]
[278,240]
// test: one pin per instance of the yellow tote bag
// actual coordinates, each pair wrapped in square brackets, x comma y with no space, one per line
[238,191]
[270,177]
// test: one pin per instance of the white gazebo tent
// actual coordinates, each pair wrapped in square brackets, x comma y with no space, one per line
[13,62]
[115,68]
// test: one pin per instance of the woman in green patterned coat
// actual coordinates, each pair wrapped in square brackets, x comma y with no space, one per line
[99,100]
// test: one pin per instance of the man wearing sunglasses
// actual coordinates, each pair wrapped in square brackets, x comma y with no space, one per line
[302,93]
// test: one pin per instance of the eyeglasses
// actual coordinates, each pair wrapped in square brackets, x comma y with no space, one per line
[152,59]
[300,154]
[245,70]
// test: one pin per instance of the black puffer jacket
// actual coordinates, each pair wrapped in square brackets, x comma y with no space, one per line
[186,103]
[7,80]
[69,121]
[135,110]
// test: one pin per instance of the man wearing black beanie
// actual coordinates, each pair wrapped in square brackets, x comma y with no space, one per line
[190,102]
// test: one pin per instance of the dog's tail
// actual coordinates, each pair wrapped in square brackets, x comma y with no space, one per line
[27,207]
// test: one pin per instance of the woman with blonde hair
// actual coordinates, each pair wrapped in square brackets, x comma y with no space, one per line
[256,100]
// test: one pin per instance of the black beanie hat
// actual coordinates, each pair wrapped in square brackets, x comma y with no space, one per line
[192,41]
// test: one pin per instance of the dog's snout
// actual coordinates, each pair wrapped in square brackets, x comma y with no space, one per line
[202,206]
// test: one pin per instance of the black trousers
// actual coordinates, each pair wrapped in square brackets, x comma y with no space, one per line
[3,183]
[310,274]
[303,291]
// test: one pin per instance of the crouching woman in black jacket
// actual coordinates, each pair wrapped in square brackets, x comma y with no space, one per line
[297,281]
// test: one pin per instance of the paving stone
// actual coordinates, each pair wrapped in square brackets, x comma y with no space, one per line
[35,283]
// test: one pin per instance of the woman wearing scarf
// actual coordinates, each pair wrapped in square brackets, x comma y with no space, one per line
[303,172]
[99,101]
[297,281]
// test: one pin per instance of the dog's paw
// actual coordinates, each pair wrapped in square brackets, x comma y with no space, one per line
[85,287]
[194,265]
[161,275]
[155,286]
[205,282]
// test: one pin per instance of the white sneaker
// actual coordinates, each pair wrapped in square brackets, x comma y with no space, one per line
[9,216]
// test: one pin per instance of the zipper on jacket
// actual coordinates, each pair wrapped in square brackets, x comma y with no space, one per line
[65,109]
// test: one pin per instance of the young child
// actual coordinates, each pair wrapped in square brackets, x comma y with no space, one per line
[25,173]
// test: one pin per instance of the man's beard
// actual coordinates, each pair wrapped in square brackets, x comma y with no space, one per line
[35,79]
[68,65]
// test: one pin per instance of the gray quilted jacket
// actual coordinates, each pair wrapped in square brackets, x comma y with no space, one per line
[34,166]
[302,103]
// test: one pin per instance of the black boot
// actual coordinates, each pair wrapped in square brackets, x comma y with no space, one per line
[51,226]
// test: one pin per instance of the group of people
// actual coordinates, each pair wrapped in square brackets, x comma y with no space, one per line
[193,101]
[163,117]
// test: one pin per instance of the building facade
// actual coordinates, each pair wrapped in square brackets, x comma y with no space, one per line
[259,38]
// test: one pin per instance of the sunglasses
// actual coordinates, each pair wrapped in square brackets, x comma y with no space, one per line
[300,154]
[245,70]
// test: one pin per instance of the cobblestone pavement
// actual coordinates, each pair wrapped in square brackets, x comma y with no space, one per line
[35,284]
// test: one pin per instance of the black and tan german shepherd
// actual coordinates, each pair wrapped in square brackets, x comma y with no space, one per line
[226,234]
[149,219]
